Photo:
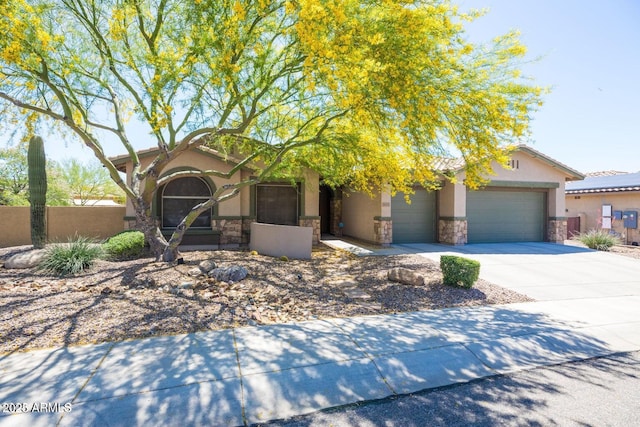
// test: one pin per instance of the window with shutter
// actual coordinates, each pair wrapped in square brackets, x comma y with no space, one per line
[277,204]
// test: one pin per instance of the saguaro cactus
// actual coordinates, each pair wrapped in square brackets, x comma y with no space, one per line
[37,191]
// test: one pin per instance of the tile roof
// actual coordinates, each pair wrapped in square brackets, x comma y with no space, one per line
[605,184]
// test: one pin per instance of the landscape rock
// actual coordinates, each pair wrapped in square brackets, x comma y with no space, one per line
[405,276]
[231,274]
[207,265]
[195,272]
[142,282]
[186,285]
[28,259]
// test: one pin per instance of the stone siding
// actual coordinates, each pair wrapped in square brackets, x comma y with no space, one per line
[452,231]
[335,213]
[230,230]
[383,230]
[314,223]
[557,230]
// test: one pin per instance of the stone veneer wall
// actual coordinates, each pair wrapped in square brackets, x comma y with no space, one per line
[314,223]
[230,230]
[383,230]
[335,213]
[246,229]
[557,230]
[452,231]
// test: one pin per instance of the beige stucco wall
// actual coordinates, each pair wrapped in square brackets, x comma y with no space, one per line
[195,160]
[311,203]
[531,169]
[240,205]
[589,208]
[452,200]
[358,212]
[15,228]
[528,169]
[245,196]
[97,222]
[281,240]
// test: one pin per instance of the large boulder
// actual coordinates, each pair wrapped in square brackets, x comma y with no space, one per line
[405,276]
[231,274]
[27,259]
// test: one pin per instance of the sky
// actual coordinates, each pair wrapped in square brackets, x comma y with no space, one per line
[590,57]
[588,54]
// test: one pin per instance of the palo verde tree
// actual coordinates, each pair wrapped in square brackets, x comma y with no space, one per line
[367,92]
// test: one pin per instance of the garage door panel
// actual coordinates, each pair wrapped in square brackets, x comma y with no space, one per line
[505,216]
[415,222]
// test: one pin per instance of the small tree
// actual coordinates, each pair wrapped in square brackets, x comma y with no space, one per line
[87,181]
[37,191]
[365,92]
[14,179]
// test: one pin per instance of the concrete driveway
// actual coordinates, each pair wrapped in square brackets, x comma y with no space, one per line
[547,271]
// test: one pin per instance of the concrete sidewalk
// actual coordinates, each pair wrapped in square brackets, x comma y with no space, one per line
[255,374]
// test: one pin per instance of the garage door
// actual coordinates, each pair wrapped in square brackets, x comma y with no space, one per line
[414,223]
[505,216]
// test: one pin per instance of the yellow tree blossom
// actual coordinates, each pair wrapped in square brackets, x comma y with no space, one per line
[370,93]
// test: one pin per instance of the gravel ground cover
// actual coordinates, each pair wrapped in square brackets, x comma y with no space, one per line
[140,298]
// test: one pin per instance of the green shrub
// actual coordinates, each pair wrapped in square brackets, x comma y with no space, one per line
[458,271]
[125,245]
[70,258]
[600,240]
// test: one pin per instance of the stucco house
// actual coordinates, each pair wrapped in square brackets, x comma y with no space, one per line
[228,224]
[523,203]
[609,201]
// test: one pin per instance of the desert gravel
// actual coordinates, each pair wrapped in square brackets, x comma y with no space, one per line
[140,298]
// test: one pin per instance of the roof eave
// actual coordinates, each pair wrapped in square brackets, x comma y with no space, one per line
[121,160]
[571,174]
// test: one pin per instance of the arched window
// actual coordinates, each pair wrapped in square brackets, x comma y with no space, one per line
[179,197]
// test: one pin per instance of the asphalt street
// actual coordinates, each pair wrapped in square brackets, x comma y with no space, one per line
[596,392]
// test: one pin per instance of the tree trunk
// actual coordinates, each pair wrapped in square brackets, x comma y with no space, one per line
[157,243]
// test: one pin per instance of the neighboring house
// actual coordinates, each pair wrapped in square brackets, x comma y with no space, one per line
[605,201]
[523,203]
